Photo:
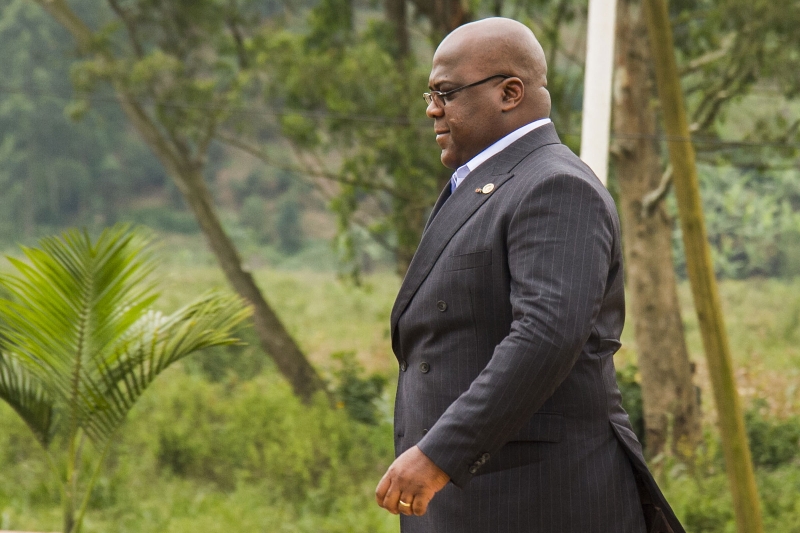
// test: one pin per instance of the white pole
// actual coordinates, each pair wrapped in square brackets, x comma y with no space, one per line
[597,86]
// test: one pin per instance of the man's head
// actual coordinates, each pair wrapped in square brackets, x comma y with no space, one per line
[472,119]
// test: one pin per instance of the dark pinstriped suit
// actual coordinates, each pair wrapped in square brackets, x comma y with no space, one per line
[505,328]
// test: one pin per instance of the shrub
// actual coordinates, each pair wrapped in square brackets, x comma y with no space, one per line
[358,394]
[81,344]
[631,391]
[772,442]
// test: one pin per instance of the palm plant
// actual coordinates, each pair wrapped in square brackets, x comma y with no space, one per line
[80,344]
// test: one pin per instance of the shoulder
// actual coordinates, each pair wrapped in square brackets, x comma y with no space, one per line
[555,171]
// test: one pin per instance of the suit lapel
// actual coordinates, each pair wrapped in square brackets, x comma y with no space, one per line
[448,217]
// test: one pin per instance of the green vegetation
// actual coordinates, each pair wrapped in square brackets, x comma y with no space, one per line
[80,344]
[220,443]
[325,93]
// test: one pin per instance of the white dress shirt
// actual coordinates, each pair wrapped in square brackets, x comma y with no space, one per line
[463,171]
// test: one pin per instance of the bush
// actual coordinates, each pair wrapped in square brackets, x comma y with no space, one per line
[244,360]
[359,395]
[166,219]
[259,432]
[631,391]
[772,442]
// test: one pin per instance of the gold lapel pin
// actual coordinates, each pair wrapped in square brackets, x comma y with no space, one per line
[488,188]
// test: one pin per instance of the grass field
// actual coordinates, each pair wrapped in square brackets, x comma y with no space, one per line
[220,444]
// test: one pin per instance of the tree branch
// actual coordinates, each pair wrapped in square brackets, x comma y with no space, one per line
[710,57]
[233,25]
[64,15]
[651,200]
[708,109]
[130,27]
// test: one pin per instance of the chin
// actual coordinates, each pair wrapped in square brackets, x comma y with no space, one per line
[448,161]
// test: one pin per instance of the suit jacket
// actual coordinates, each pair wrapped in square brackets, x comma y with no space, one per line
[505,328]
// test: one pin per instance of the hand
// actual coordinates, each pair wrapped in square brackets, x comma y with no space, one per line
[412,478]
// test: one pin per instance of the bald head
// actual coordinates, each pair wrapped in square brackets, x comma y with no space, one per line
[500,46]
[488,78]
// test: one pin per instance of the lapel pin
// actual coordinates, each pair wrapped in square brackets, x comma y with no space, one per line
[488,188]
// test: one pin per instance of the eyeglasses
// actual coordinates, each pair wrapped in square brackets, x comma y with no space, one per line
[441,97]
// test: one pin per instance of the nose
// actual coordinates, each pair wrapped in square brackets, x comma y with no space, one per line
[433,110]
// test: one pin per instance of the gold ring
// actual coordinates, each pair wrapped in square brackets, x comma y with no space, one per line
[404,503]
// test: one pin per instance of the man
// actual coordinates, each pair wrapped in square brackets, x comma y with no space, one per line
[508,416]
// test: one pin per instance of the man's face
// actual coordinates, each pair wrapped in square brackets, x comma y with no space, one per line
[468,122]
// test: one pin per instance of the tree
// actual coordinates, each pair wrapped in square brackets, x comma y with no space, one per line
[177,71]
[356,124]
[726,51]
[738,460]
[80,344]
[445,15]
[670,405]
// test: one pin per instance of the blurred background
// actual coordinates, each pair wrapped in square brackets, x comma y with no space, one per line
[288,140]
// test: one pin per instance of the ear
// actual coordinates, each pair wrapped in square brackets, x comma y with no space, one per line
[513,93]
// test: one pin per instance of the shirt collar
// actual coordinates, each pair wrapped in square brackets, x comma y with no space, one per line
[463,171]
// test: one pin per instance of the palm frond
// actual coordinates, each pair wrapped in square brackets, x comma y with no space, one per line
[154,343]
[78,324]
[72,299]
[28,398]
[68,298]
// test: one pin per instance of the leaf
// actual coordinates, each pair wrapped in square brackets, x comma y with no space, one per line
[81,335]
[28,398]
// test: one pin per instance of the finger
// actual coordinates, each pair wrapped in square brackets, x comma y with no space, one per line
[382,489]
[390,501]
[406,509]
[420,504]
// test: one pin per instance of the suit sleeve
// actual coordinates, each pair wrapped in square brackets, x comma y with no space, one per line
[559,241]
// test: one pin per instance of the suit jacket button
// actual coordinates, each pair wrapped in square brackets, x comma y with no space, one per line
[403,365]
[473,470]
[484,457]
[441,305]
[424,431]
[424,367]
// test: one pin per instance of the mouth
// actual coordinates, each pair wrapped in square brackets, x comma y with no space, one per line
[441,133]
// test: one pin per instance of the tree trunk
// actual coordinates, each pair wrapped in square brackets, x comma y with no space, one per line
[408,217]
[735,447]
[444,15]
[671,411]
[274,338]
[397,15]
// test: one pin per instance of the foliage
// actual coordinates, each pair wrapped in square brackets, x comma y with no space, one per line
[753,221]
[55,172]
[164,219]
[700,496]
[375,131]
[290,233]
[631,391]
[737,60]
[81,344]
[355,117]
[772,442]
[220,423]
[230,455]
[359,395]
